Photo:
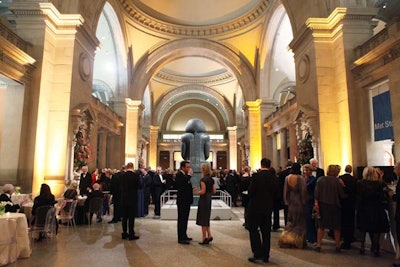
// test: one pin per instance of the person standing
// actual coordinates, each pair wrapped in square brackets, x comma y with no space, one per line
[348,207]
[85,182]
[279,196]
[311,181]
[158,188]
[207,189]
[115,191]
[130,183]
[262,190]
[184,200]
[316,171]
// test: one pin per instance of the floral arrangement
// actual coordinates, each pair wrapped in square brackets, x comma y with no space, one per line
[17,190]
[3,205]
[305,150]
[82,152]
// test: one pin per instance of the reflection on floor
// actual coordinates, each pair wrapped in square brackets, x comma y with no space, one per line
[101,245]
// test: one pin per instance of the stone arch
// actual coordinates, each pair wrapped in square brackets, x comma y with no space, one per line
[202,94]
[150,63]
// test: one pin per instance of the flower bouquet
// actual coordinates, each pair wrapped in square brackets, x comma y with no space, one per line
[3,205]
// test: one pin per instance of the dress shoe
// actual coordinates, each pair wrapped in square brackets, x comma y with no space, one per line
[133,237]
[184,242]
[124,235]
[188,238]
[205,242]
[254,259]
[210,239]
[265,259]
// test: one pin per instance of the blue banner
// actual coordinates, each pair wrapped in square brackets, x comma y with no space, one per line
[383,126]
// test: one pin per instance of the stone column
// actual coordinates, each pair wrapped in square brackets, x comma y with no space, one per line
[283,152]
[323,56]
[102,154]
[134,110]
[292,143]
[254,132]
[54,37]
[274,156]
[153,143]
[232,135]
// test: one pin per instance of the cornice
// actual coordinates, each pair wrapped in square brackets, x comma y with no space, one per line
[13,38]
[209,80]
[153,24]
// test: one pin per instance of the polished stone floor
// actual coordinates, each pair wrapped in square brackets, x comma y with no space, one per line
[101,245]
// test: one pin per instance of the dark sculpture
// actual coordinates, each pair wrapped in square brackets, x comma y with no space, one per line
[195,147]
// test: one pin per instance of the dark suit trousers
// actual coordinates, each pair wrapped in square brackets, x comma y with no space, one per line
[128,218]
[146,200]
[183,217]
[157,190]
[117,208]
[260,246]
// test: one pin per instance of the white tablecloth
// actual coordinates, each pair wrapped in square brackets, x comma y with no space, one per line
[10,252]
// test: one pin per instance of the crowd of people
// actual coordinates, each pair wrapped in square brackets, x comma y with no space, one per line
[312,202]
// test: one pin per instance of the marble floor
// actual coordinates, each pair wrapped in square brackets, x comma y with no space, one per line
[101,245]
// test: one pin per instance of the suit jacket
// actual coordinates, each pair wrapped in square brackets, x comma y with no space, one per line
[115,185]
[91,195]
[320,172]
[184,187]
[130,184]
[9,208]
[262,192]
[85,182]
[281,182]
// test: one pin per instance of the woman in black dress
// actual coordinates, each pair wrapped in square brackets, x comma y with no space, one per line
[371,214]
[207,189]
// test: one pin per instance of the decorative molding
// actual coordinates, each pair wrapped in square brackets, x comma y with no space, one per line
[215,79]
[304,68]
[195,31]
[85,67]
[13,38]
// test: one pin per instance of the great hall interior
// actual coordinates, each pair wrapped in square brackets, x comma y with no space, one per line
[107,82]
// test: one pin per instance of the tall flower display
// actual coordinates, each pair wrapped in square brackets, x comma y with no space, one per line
[305,150]
[82,152]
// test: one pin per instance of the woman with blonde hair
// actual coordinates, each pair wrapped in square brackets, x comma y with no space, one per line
[328,192]
[207,189]
[371,214]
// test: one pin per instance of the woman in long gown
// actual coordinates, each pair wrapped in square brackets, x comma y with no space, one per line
[207,189]
[295,197]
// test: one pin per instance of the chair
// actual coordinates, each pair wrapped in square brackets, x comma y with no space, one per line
[67,213]
[95,206]
[45,222]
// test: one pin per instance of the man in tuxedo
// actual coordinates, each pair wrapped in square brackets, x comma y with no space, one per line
[8,190]
[316,171]
[184,200]
[85,182]
[130,183]
[115,191]
[348,205]
[262,192]
[158,188]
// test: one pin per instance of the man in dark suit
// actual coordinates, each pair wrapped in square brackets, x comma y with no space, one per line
[8,190]
[85,182]
[184,200]
[115,191]
[96,193]
[279,196]
[316,171]
[348,205]
[130,183]
[158,189]
[262,191]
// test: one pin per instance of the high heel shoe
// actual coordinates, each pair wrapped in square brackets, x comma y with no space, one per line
[205,242]
[210,239]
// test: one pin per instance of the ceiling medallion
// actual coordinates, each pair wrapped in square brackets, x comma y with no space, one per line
[304,68]
[85,67]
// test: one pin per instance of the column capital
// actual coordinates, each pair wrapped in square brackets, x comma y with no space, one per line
[154,128]
[134,104]
[231,128]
